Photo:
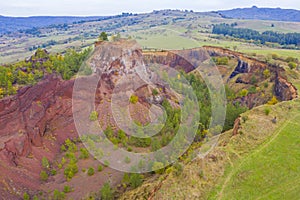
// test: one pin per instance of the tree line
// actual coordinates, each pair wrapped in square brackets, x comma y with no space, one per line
[249,34]
[29,72]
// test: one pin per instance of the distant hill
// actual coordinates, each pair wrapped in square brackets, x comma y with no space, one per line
[12,24]
[275,14]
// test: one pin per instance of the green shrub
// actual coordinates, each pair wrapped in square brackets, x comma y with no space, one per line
[109,132]
[126,178]
[115,141]
[71,146]
[45,163]
[140,142]
[158,167]
[94,116]
[134,99]
[63,148]
[169,170]
[129,149]
[63,160]
[244,92]
[106,192]
[273,101]
[178,168]
[100,168]
[155,145]
[292,65]
[103,37]
[267,111]
[291,59]
[135,180]
[71,170]
[221,60]
[155,92]
[266,84]
[26,196]
[267,73]
[35,198]
[53,172]
[91,171]
[201,173]
[122,136]
[253,80]
[84,153]
[57,195]
[44,176]
[232,113]
[106,163]
[252,90]
[67,189]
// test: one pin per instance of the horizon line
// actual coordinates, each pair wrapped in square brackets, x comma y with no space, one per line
[144,12]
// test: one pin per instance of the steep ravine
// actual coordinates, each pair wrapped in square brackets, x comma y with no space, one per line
[46,109]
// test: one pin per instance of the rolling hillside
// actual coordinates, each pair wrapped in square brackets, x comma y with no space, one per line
[158,30]
[274,14]
[13,24]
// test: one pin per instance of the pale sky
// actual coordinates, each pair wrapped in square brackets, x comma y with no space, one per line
[113,7]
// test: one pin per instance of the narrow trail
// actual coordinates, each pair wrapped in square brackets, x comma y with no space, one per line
[287,122]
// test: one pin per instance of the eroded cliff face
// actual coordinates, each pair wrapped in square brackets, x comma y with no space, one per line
[34,111]
[247,67]
[285,90]
[25,120]
[187,60]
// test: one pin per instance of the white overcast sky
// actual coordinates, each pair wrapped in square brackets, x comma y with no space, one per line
[112,7]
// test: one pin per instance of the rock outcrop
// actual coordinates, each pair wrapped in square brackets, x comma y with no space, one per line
[284,90]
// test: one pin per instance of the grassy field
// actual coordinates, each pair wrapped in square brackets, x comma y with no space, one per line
[271,170]
[261,26]
[265,51]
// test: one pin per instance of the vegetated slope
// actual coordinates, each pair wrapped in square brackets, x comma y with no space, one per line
[12,24]
[275,14]
[260,162]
